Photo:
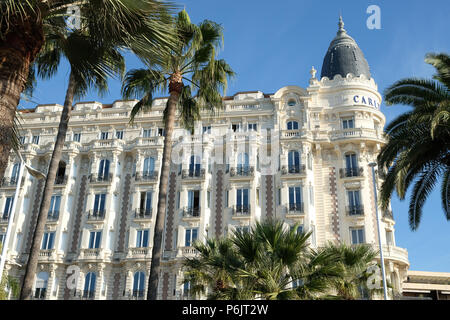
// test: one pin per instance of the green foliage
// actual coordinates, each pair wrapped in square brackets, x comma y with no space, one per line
[192,61]
[418,148]
[8,284]
[265,262]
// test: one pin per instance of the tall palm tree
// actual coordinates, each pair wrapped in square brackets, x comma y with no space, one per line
[90,67]
[23,34]
[192,61]
[418,149]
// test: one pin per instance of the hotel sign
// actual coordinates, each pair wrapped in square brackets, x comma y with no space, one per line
[366,101]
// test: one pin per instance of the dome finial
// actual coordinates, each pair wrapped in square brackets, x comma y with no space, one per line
[341,24]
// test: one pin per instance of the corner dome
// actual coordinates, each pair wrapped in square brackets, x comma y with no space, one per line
[344,57]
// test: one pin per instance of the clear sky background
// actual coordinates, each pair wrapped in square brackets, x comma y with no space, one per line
[271,44]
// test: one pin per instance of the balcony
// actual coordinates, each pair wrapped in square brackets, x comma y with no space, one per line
[96,215]
[92,254]
[242,171]
[9,182]
[191,212]
[136,295]
[143,213]
[351,172]
[356,133]
[95,178]
[193,174]
[146,176]
[355,210]
[139,253]
[295,209]
[4,219]
[53,216]
[48,255]
[188,252]
[291,170]
[395,253]
[60,180]
[387,214]
[241,210]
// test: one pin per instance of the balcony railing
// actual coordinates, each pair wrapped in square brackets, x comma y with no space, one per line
[295,208]
[10,181]
[243,171]
[300,169]
[60,180]
[4,218]
[95,178]
[146,176]
[355,210]
[186,174]
[53,216]
[189,212]
[96,215]
[241,210]
[351,172]
[143,213]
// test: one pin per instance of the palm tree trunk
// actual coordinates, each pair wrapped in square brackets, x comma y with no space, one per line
[26,292]
[155,268]
[17,51]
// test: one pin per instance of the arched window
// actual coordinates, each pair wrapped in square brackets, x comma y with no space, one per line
[194,166]
[103,169]
[294,161]
[41,285]
[291,102]
[292,125]
[89,285]
[138,284]
[149,167]
[242,163]
[15,173]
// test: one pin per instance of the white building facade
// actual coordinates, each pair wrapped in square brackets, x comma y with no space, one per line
[300,155]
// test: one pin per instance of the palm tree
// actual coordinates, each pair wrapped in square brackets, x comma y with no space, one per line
[193,61]
[90,67]
[418,149]
[23,26]
[267,262]
[7,284]
[352,263]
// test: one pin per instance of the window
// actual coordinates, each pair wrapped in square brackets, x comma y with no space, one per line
[227,193]
[186,289]
[161,132]
[299,229]
[279,196]
[149,167]
[351,165]
[15,173]
[119,134]
[103,170]
[313,235]
[99,205]
[190,236]
[77,137]
[22,139]
[242,203]
[348,123]
[104,135]
[297,283]
[236,127]
[242,164]
[146,133]
[142,238]
[94,239]
[357,235]
[354,204]
[138,284]
[295,199]
[89,285]
[292,125]
[311,195]
[309,156]
[294,162]
[2,238]
[146,203]
[194,166]
[252,127]
[41,285]
[193,206]
[208,198]
[48,241]
[8,207]
[242,229]
[35,139]
[291,103]
[257,196]
[206,130]
[389,238]
[53,210]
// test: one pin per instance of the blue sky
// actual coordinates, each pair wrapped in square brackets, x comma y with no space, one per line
[272,44]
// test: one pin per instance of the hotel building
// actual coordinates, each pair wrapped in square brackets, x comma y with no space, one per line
[299,154]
